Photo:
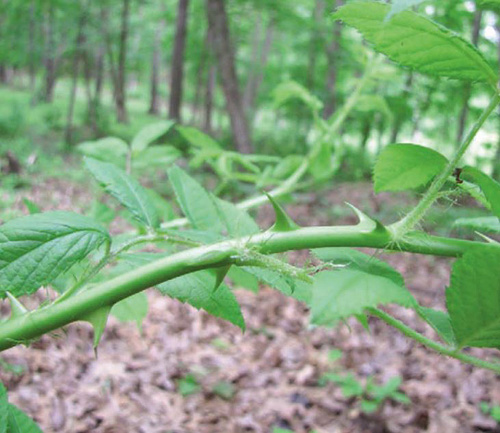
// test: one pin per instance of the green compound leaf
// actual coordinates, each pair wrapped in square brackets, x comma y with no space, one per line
[19,422]
[243,279]
[207,212]
[198,139]
[197,289]
[195,202]
[489,187]
[406,166]
[481,224]
[108,149]
[493,5]
[400,6]
[148,134]
[132,309]
[337,295]
[126,190]
[4,409]
[473,298]
[440,322]
[36,249]
[417,42]
[356,260]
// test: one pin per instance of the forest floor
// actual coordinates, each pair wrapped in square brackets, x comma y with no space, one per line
[265,378]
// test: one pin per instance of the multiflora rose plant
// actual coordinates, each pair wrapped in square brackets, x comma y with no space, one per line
[97,274]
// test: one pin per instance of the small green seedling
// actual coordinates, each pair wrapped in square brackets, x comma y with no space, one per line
[188,385]
[225,390]
[492,410]
[371,396]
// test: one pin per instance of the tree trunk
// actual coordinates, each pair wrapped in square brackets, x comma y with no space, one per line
[316,36]
[120,95]
[217,20]
[31,48]
[74,84]
[257,71]
[177,72]
[50,55]
[154,105]
[332,53]
[467,88]
[209,99]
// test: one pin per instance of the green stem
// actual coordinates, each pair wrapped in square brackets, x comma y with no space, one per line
[408,223]
[431,344]
[56,315]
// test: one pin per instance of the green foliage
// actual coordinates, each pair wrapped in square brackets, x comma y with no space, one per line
[492,410]
[489,187]
[406,166]
[126,190]
[225,390]
[473,299]
[402,5]
[337,295]
[37,248]
[481,224]
[188,385]
[148,135]
[12,419]
[370,395]
[407,35]
[440,322]
[132,309]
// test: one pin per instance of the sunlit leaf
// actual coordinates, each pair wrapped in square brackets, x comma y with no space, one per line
[415,41]
[35,249]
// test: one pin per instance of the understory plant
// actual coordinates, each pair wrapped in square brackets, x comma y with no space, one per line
[95,274]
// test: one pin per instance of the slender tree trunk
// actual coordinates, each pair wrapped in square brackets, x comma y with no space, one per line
[177,72]
[217,19]
[50,55]
[99,73]
[74,84]
[332,53]
[120,91]
[209,99]
[154,105]
[467,88]
[316,36]
[256,75]
[31,48]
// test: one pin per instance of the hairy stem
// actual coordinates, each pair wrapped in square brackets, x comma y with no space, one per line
[431,344]
[58,314]
[408,223]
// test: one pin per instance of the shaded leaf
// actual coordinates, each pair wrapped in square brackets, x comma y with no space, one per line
[417,42]
[473,298]
[132,309]
[489,187]
[4,409]
[195,202]
[198,139]
[109,149]
[126,190]
[482,224]
[340,294]
[148,134]
[35,249]
[19,422]
[440,322]
[357,260]
[156,156]
[406,166]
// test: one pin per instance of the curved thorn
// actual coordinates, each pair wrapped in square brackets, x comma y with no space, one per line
[283,223]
